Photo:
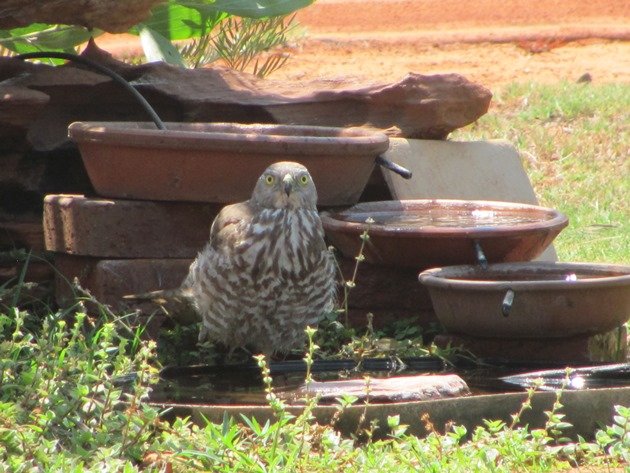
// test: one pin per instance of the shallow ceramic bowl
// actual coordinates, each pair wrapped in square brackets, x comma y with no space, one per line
[443,232]
[220,162]
[530,300]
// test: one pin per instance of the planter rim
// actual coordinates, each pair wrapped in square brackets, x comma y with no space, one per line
[235,137]
[331,220]
[360,407]
[467,410]
[442,278]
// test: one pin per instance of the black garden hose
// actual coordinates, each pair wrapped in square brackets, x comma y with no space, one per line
[104,70]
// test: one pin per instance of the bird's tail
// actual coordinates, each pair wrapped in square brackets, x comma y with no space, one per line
[159,297]
[177,303]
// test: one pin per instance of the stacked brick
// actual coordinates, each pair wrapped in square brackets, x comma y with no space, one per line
[117,247]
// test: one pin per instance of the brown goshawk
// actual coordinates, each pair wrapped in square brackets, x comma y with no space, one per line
[266,272]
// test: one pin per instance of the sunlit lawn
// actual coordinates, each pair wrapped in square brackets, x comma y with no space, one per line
[574,141]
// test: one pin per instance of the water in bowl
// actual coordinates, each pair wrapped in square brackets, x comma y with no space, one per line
[535,276]
[242,384]
[445,218]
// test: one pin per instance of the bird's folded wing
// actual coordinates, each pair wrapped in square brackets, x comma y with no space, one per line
[228,227]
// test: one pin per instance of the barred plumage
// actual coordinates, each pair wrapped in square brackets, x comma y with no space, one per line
[266,273]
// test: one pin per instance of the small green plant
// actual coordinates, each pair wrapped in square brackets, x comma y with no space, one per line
[239,43]
[63,396]
[233,30]
[615,439]
[73,398]
[351,283]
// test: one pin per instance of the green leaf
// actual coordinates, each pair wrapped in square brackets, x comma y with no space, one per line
[563,425]
[259,8]
[176,20]
[184,19]
[42,37]
[393,421]
[157,48]
[603,438]
[615,430]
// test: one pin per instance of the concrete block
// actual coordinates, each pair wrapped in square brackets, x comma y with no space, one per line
[27,234]
[36,271]
[110,280]
[385,318]
[22,234]
[379,287]
[608,347]
[472,170]
[106,228]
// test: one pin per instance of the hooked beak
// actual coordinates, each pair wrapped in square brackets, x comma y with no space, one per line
[288,182]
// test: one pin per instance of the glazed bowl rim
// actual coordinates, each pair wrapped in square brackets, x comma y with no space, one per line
[332,223]
[250,137]
[442,277]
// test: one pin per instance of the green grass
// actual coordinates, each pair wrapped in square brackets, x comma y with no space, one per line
[574,140]
[64,405]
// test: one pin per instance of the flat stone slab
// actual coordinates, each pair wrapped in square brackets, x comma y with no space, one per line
[417,105]
[79,225]
[470,170]
[115,16]
[20,106]
[394,389]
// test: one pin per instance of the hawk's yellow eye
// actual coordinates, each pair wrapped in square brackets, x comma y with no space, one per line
[269,180]
[304,180]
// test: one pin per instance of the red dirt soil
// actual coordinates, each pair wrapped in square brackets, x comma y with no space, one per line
[491,42]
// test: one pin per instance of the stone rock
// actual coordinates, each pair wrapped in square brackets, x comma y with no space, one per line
[12,69]
[71,89]
[20,106]
[19,171]
[80,225]
[394,389]
[418,106]
[115,16]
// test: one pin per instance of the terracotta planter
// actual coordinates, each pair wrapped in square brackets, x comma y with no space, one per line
[211,392]
[220,162]
[427,233]
[468,411]
[530,300]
